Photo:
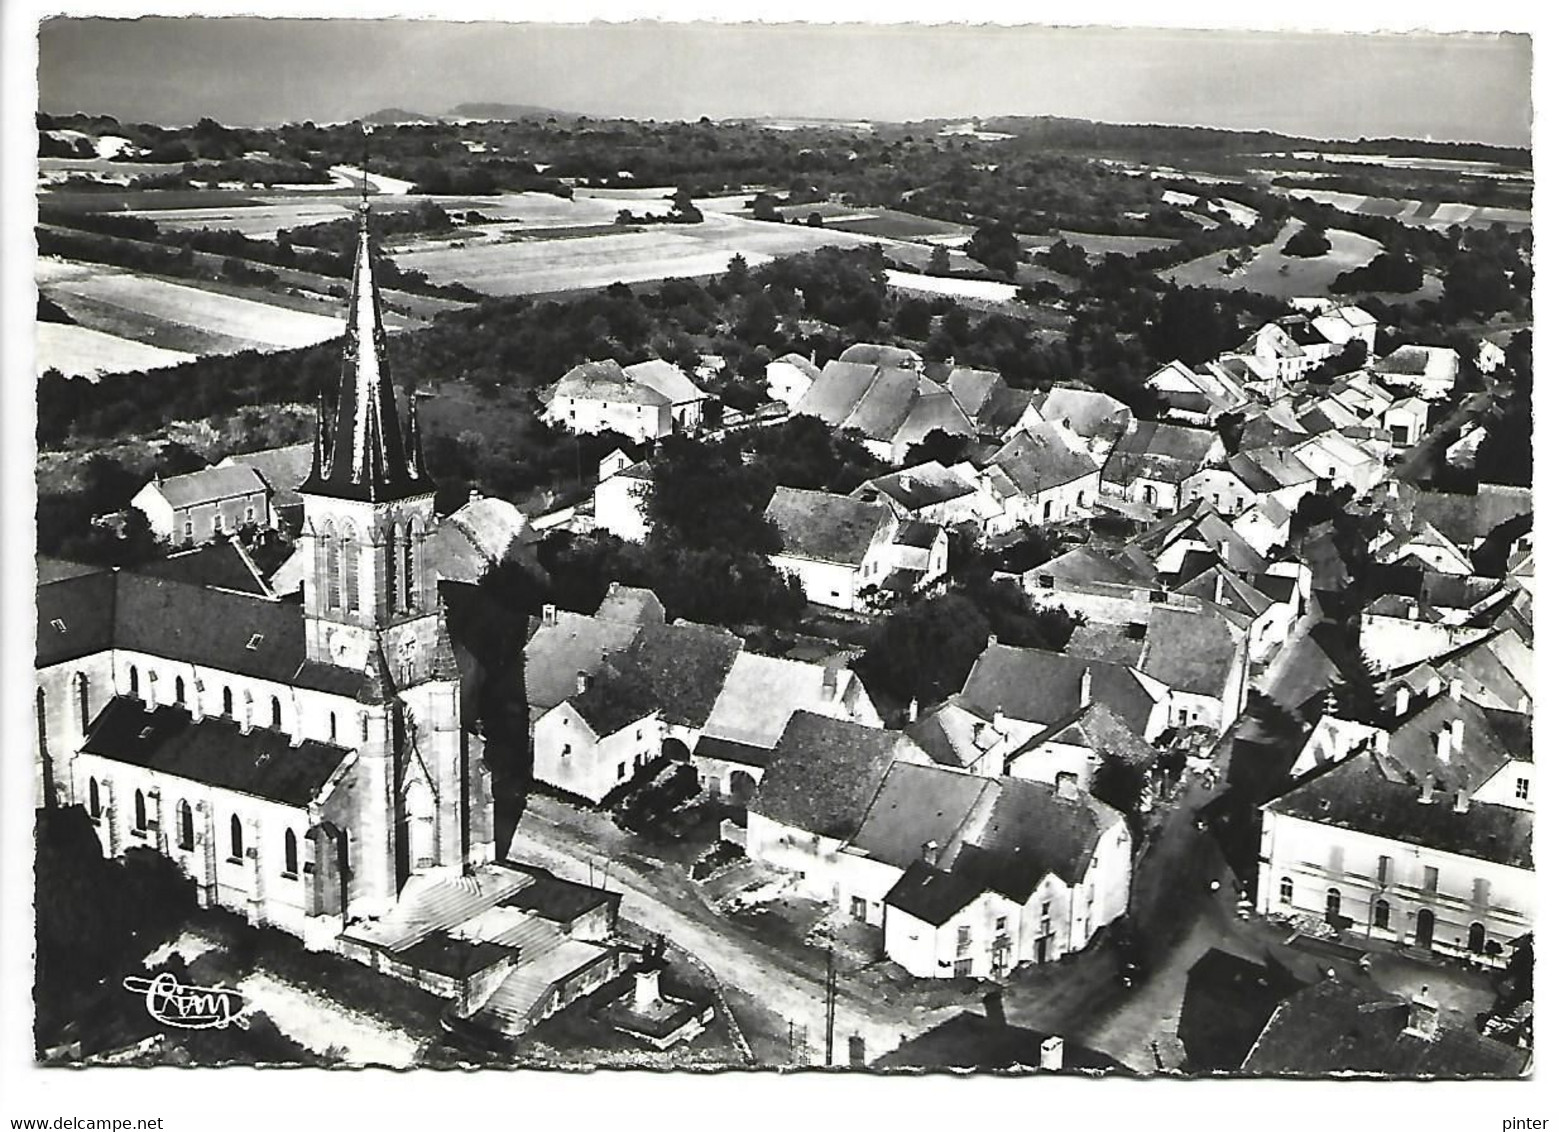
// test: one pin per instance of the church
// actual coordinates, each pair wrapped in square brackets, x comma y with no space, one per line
[301,761]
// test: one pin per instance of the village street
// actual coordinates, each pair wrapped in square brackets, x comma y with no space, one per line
[586,847]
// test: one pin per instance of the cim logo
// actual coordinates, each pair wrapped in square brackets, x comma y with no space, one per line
[186,1008]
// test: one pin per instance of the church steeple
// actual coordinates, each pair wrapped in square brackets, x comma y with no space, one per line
[366,453]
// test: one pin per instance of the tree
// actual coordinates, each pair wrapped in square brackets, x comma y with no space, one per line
[939,445]
[1307,243]
[995,245]
[941,262]
[1121,784]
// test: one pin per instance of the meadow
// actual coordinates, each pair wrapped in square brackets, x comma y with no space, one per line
[1271,272]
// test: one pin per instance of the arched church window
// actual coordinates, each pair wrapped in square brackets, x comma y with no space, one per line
[392,589]
[135,680]
[409,550]
[276,712]
[349,554]
[83,700]
[332,568]
[235,836]
[289,864]
[186,826]
[227,702]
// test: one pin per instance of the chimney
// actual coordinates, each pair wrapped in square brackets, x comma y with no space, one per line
[830,683]
[581,683]
[904,481]
[1426,790]
[990,641]
[197,685]
[1404,699]
[1223,549]
[1458,733]
[912,713]
[151,690]
[1443,744]
[646,986]
[1218,588]
[1423,1016]
[999,721]
[1066,785]
[549,614]
[1412,611]
[1050,1053]
[929,851]
[1085,689]
[994,1008]
[1456,691]
[1462,803]
[474,496]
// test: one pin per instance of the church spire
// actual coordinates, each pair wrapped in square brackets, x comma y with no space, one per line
[364,453]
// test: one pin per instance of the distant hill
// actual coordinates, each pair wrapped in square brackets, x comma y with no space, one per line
[394,117]
[505,110]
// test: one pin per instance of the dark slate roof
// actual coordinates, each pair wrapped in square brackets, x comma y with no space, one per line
[1335,1027]
[75,616]
[979,1042]
[1189,651]
[730,751]
[824,774]
[837,391]
[282,469]
[1228,1001]
[823,527]
[1099,729]
[916,805]
[553,898]
[209,485]
[453,956]
[931,895]
[52,570]
[1157,451]
[1044,687]
[920,535]
[617,695]
[1086,412]
[222,565]
[1039,460]
[1356,795]
[214,751]
[685,666]
[921,486]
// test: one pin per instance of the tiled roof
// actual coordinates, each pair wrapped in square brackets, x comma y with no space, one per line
[824,774]
[889,357]
[1336,1027]
[632,605]
[210,484]
[1101,730]
[1154,450]
[730,751]
[52,570]
[835,394]
[1038,686]
[214,751]
[823,527]
[1188,651]
[284,469]
[760,694]
[972,388]
[921,486]
[1039,459]
[1086,412]
[931,412]
[918,805]
[1356,795]
[666,379]
[685,667]
[604,381]
[556,653]
[1465,519]
[886,404]
[931,895]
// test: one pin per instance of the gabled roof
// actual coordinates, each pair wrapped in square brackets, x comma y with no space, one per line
[924,485]
[283,469]
[1038,686]
[824,774]
[1188,650]
[886,404]
[214,751]
[760,694]
[1356,795]
[1098,728]
[681,667]
[665,379]
[209,485]
[1039,459]
[1467,519]
[1269,469]
[1337,1027]
[972,388]
[631,605]
[976,1041]
[932,411]
[75,616]
[824,527]
[1086,412]
[836,392]
[605,381]
[918,805]
[1158,451]
[888,357]
[572,643]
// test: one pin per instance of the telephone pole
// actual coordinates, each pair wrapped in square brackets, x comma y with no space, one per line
[831,991]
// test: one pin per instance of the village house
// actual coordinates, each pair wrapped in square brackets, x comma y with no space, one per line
[1099,419]
[1447,612]
[649,699]
[198,506]
[283,469]
[1291,346]
[1198,395]
[1340,323]
[755,704]
[932,492]
[892,404]
[1039,476]
[641,402]
[1151,464]
[844,550]
[1339,461]
[1428,371]
[816,791]
[1031,875]
[1338,1028]
[789,377]
[1250,477]
[621,492]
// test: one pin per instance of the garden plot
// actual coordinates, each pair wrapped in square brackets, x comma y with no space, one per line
[259,220]
[1272,273]
[76,351]
[1421,214]
[324,1026]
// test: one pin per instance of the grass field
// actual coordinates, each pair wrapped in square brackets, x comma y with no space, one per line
[661,252]
[1098,246]
[1420,214]
[260,221]
[977,289]
[77,351]
[1273,273]
[178,316]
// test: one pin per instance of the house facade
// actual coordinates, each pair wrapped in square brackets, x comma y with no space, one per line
[199,506]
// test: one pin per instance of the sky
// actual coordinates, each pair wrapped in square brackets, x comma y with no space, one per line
[262,71]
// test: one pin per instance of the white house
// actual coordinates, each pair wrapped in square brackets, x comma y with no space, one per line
[1429,371]
[789,377]
[620,498]
[642,402]
[199,506]
[1151,464]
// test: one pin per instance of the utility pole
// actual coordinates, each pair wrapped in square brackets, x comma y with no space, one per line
[831,991]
